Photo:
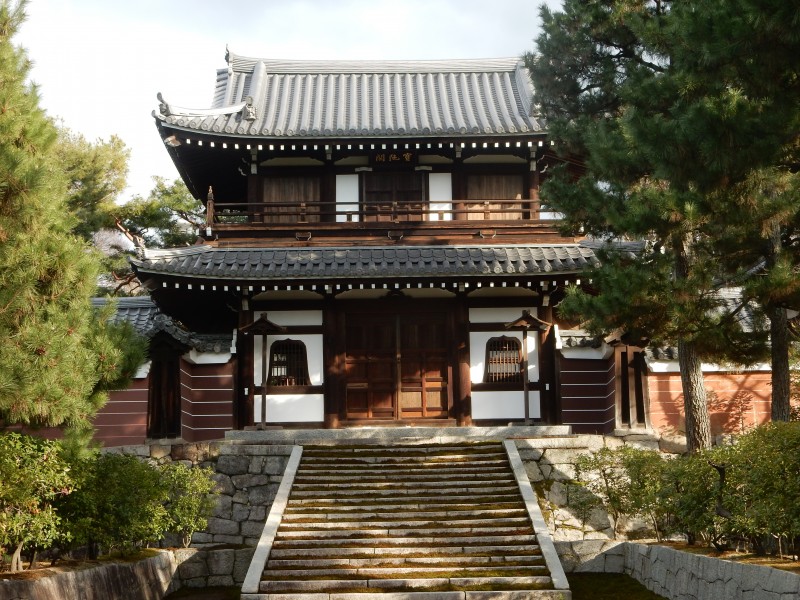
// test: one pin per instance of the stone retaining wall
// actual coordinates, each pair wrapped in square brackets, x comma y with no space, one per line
[677,575]
[197,568]
[147,579]
[550,464]
[247,479]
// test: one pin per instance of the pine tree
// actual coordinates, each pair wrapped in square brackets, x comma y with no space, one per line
[669,105]
[56,355]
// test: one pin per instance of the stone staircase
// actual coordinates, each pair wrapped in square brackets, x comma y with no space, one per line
[412,521]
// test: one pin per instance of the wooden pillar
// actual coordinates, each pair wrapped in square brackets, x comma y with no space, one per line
[254,199]
[548,393]
[333,357]
[463,396]
[533,192]
[459,189]
[243,403]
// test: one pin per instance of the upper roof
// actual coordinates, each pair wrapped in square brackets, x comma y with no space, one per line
[272,264]
[279,99]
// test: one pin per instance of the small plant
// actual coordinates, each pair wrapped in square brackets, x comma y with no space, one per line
[190,501]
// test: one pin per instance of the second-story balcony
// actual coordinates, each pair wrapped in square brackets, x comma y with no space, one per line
[370,223]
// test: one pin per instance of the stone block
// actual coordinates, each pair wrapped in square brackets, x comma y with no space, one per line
[240,512]
[220,562]
[252,528]
[258,513]
[159,451]
[244,482]
[228,539]
[220,581]
[222,508]
[233,465]
[262,495]
[270,465]
[673,444]
[241,497]
[533,471]
[191,569]
[241,564]
[201,537]
[222,526]
[195,584]
[643,444]
[224,484]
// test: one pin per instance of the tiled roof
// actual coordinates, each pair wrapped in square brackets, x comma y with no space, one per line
[328,99]
[264,264]
[147,320]
[578,338]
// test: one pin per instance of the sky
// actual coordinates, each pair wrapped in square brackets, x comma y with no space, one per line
[99,64]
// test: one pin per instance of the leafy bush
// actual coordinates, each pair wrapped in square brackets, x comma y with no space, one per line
[32,477]
[747,491]
[190,500]
[763,487]
[603,475]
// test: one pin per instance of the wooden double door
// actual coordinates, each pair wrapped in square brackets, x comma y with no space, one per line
[397,366]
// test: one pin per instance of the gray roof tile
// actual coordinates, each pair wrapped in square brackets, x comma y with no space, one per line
[328,99]
[144,316]
[355,263]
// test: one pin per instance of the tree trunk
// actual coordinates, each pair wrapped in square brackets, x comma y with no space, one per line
[16,559]
[695,405]
[779,337]
[779,348]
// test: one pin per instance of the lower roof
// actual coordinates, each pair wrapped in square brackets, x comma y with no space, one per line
[353,263]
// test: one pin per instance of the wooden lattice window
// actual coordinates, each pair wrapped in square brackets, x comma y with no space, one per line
[288,363]
[503,360]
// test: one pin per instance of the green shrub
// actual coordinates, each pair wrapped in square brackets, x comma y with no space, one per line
[190,500]
[690,494]
[603,475]
[121,504]
[762,490]
[32,476]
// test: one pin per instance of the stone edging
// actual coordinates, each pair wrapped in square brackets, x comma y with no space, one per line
[678,575]
[261,555]
[537,519]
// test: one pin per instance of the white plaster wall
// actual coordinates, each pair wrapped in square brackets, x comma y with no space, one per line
[346,197]
[505,405]
[313,342]
[291,408]
[206,358]
[440,191]
[477,350]
[509,404]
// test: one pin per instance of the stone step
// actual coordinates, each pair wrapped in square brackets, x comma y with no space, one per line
[519,522]
[390,483]
[403,450]
[404,551]
[385,541]
[346,478]
[412,522]
[433,531]
[457,583]
[415,572]
[399,462]
[409,492]
[453,503]
[403,561]
[396,515]
[466,467]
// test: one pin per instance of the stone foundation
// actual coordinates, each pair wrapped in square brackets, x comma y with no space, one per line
[677,575]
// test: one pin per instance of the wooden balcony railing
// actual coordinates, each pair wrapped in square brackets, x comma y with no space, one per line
[289,213]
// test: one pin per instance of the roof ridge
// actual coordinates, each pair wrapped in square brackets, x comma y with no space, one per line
[247,63]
